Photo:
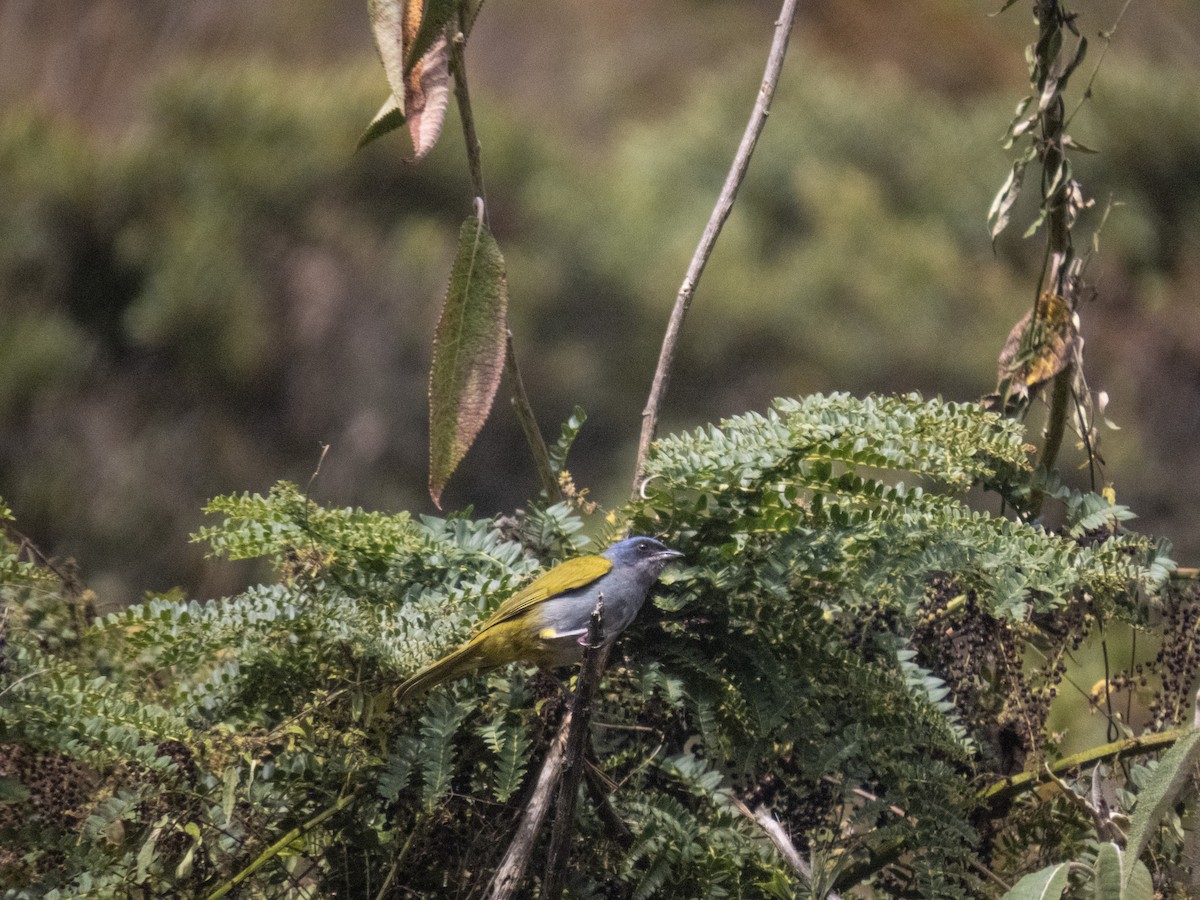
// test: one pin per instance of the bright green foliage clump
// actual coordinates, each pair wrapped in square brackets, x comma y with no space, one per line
[252,743]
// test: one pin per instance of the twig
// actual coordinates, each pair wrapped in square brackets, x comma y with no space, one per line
[462,95]
[520,399]
[1058,228]
[511,871]
[598,789]
[1007,788]
[283,843]
[529,425]
[396,863]
[687,290]
[558,854]
[771,827]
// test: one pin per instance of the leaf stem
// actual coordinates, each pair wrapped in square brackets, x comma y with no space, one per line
[529,426]
[519,398]
[283,843]
[724,205]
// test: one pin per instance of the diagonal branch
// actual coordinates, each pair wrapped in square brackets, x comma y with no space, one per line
[708,240]
[565,754]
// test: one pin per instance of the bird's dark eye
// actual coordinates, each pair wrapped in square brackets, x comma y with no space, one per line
[643,547]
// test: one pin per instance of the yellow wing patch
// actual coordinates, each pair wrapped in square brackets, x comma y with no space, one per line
[574,573]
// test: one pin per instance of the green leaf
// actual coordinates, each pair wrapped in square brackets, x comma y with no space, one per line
[570,431]
[468,355]
[12,790]
[145,856]
[1045,884]
[1160,791]
[1002,205]
[513,761]
[388,119]
[1120,876]
[438,728]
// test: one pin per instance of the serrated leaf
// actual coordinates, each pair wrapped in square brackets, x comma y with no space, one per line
[388,119]
[468,354]
[513,761]
[420,86]
[438,727]
[427,98]
[1161,790]
[388,26]
[1045,884]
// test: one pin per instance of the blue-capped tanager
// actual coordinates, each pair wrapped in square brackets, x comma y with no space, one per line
[546,622]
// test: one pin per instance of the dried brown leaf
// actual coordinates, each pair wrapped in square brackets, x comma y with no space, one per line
[1038,349]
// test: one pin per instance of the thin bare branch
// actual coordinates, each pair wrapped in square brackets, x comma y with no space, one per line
[511,871]
[783,843]
[687,290]
[559,852]
[566,751]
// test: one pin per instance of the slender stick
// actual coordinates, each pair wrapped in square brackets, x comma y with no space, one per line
[559,851]
[1058,229]
[520,399]
[783,843]
[1007,788]
[282,844]
[529,425]
[511,871]
[687,290]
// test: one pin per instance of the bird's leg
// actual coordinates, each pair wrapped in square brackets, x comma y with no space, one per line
[596,625]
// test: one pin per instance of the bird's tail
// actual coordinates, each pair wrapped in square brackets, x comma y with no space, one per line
[455,664]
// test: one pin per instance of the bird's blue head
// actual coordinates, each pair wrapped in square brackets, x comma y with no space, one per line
[643,553]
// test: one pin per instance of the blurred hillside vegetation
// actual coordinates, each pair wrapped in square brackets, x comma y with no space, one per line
[201,282]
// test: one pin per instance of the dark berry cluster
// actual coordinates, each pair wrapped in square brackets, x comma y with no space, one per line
[982,660]
[1178,659]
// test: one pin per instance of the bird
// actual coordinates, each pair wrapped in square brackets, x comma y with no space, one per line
[546,622]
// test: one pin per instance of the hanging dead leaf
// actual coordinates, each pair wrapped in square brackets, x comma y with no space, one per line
[427,98]
[1038,348]
[468,353]
[411,39]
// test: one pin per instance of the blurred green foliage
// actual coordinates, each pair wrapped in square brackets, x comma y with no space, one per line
[201,302]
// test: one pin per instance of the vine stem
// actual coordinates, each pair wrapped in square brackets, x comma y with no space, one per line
[283,843]
[708,240]
[520,398]
[1058,230]
[1013,786]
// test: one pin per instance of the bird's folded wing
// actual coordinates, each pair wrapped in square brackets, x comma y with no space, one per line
[569,576]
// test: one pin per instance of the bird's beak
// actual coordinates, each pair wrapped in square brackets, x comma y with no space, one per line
[667,555]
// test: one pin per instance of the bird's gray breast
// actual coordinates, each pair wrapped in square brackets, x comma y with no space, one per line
[623,592]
